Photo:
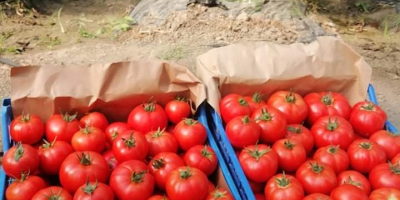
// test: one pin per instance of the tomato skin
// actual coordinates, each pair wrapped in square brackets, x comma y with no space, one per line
[189,133]
[27,129]
[367,118]
[271,120]
[385,175]
[158,197]
[364,155]
[100,191]
[355,178]
[110,159]
[259,196]
[291,154]
[348,192]
[161,141]
[301,134]
[396,159]
[211,186]
[114,129]
[148,117]
[263,169]
[219,194]
[255,101]
[79,167]
[233,105]
[94,119]
[52,155]
[241,131]
[187,183]
[326,104]
[334,157]
[203,158]
[130,145]
[317,196]
[389,142]
[385,194]
[291,104]
[162,165]
[52,192]
[27,161]
[62,127]
[28,186]
[283,187]
[316,177]
[89,139]
[177,110]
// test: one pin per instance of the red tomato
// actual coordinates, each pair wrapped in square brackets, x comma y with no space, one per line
[242,131]
[94,191]
[385,194]
[332,130]
[284,187]
[189,133]
[52,155]
[79,167]
[334,157]
[348,192]
[367,118]
[162,165]
[233,105]
[291,154]
[203,158]
[219,194]
[131,180]
[62,127]
[187,183]
[94,119]
[110,159]
[257,187]
[355,178]
[272,122]
[89,139]
[211,186]
[255,101]
[24,188]
[259,162]
[326,104]
[317,196]
[161,141]
[259,196]
[130,145]
[114,129]
[385,175]
[177,110]
[291,104]
[316,177]
[389,142]
[396,159]
[158,197]
[21,158]
[365,155]
[52,192]
[301,134]
[148,117]
[27,129]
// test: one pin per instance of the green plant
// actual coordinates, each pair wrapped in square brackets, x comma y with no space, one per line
[297,8]
[50,42]
[86,34]
[363,5]
[113,28]
[175,53]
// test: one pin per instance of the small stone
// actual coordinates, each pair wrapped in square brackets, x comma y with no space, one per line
[243,17]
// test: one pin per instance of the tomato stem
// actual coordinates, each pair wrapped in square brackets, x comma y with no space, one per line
[66,117]
[205,153]
[245,119]
[332,125]
[87,130]
[89,189]
[265,115]
[257,154]
[185,174]
[257,97]
[131,142]
[218,194]
[138,177]
[293,129]
[289,145]
[365,145]
[158,133]
[149,107]
[282,182]
[114,135]
[54,196]
[333,149]
[25,117]
[179,98]
[368,107]
[316,168]
[290,98]
[47,144]
[352,182]
[85,159]
[190,122]
[327,99]
[158,163]
[19,152]
[394,168]
[243,102]
[24,176]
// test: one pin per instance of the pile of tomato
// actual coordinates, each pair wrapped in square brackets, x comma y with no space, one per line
[157,154]
[316,147]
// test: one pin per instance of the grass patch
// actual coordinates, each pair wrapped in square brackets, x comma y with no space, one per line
[175,53]
[50,42]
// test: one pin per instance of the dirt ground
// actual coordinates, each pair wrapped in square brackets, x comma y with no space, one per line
[96,32]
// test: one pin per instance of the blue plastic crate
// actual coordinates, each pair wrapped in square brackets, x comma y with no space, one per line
[232,160]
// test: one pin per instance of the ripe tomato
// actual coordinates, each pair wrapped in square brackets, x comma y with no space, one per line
[131,180]
[21,158]
[25,188]
[367,118]
[355,178]
[302,135]
[291,154]
[316,177]
[89,139]
[27,129]
[203,158]
[317,196]
[396,159]
[272,123]
[365,155]
[389,142]
[332,130]
[348,192]
[241,131]
[385,194]
[189,133]
[148,117]
[94,119]
[211,186]
[219,194]
[130,145]
[187,183]
[259,162]
[158,197]
[177,110]
[334,157]
[94,191]
[161,141]
[52,155]
[162,165]
[62,127]
[255,101]
[233,105]
[385,175]
[110,159]
[291,104]
[259,196]
[284,187]
[326,104]
[79,167]
[52,192]
[114,129]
